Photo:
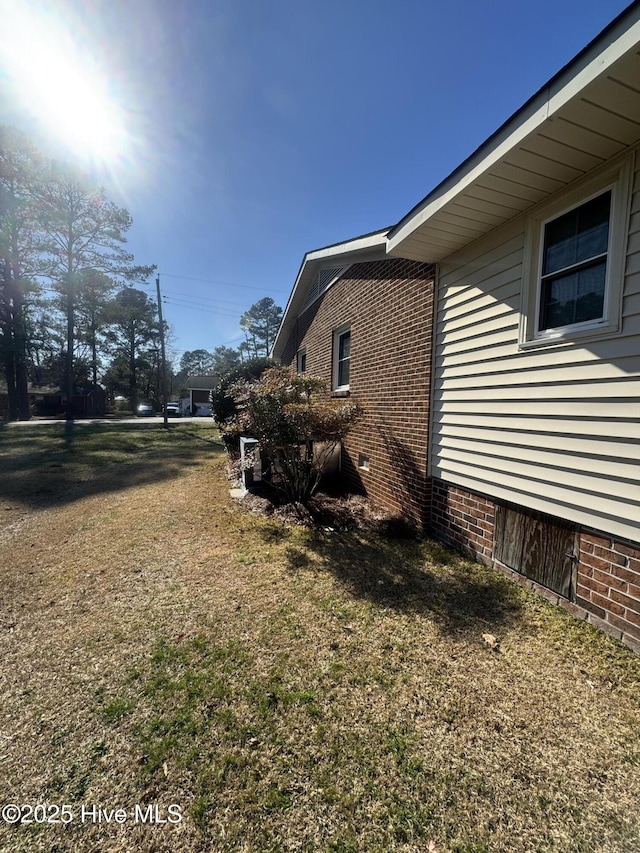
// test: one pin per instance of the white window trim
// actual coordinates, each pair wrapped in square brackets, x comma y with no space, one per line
[337,332]
[616,178]
[301,353]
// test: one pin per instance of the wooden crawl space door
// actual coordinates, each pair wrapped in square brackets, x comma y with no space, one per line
[543,548]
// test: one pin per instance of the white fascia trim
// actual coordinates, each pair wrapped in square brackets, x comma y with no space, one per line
[544,106]
[377,240]
[370,241]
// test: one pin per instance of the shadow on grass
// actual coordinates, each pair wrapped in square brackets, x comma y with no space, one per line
[53,464]
[412,576]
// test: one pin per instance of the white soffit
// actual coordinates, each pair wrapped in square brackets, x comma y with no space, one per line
[585,115]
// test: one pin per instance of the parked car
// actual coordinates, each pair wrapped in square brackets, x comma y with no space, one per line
[173,410]
[145,411]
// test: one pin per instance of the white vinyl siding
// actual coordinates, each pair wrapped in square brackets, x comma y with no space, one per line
[555,429]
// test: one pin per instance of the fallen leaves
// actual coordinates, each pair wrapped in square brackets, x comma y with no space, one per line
[492,641]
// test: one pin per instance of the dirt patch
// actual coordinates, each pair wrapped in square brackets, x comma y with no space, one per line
[331,508]
[333,512]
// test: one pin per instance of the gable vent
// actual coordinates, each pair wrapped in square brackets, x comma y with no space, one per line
[323,281]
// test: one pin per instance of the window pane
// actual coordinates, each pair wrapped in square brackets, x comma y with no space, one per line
[345,345]
[344,360]
[581,234]
[343,373]
[574,297]
[560,243]
[590,295]
[593,227]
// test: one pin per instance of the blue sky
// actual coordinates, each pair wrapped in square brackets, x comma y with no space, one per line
[263,129]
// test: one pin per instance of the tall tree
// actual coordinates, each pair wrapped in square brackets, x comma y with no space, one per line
[93,294]
[82,231]
[197,362]
[134,335]
[245,351]
[225,359]
[260,325]
[45,343]
[19,165]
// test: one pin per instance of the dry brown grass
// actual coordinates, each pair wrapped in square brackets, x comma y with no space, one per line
[291,690]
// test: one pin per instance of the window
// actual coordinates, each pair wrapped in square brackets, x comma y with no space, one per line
[574,265]
[341,358]
[574,262]
[301,361]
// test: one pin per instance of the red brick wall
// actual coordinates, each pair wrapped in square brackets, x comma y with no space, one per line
[389,305]
[463,520]
[609,581]
[608,572]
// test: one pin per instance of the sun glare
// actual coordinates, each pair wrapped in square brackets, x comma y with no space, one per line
[56,79]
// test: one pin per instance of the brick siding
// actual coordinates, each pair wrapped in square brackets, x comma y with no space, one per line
[609,582]
[608,571]
[463,520]
[389,306]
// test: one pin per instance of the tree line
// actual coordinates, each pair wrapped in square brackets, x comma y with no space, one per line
[71,316]
[260,324]
[67,292]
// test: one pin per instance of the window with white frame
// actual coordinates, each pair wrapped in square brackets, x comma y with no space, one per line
[574,265]
[574,262]
[301,361]
[341,358]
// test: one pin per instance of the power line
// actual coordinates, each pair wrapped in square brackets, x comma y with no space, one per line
[183,303]
[224,283]
[186,303]
[209,347]
[170,295]
[192,296]
[221,314]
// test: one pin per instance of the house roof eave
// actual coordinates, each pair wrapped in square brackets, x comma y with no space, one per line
[367,247]
[437,226]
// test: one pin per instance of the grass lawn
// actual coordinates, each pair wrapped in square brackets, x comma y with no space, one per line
[277,688]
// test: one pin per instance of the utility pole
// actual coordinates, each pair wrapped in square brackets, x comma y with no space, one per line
[68,369]
[162,354]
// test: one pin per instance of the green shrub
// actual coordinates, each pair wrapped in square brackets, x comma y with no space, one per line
[223,407]
[296,423]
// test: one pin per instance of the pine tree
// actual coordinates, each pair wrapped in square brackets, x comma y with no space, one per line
[260,325]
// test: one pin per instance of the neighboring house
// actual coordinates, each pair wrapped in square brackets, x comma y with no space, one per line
[534,457]
[362,321]
[199,389]
[52,401]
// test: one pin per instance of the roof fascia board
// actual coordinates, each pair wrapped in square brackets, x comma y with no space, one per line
[573,79]
[369,241]
[366,248]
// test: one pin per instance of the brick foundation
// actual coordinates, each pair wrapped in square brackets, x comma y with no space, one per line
[609,582]
[463,520]
[608,571]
